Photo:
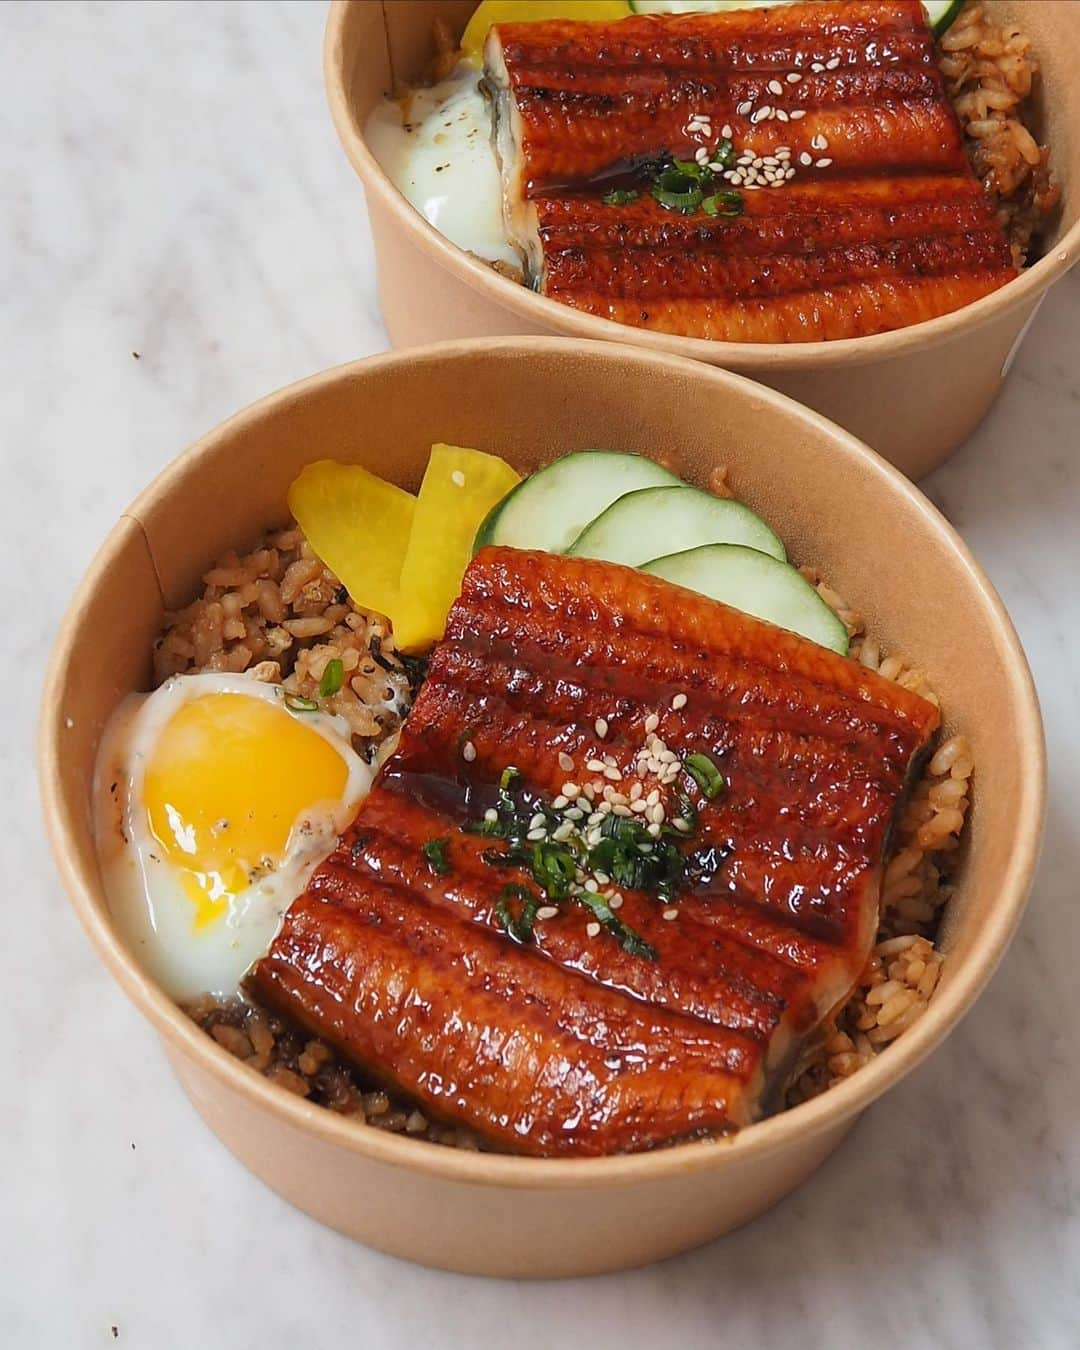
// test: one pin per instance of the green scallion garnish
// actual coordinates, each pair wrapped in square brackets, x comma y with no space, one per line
[705,774]
[435,853]
[520,928]
[297,703]
[723,204]
[630,941]
[508,775]
[676,191]
[620,197]
[333,677]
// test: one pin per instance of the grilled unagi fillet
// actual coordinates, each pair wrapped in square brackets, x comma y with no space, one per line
[883,223]
[575,1041]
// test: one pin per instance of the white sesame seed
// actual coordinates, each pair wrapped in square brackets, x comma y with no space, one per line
[701,154]
[775,87]
[653,797]
[824,163]
[547,911]
[468,752]
[565,762]
[601,727]
[616,901]
[595,766]
[657,813]
[583,804]
[782,152]
[668,757]
[796,113]
[743,108]
[756,162]
[638,806]
[560,802]
[781,115]
[679,701]
[645,848]
[770,175]
[565,830]
[571,789]
[491,814]
[819,143]
[602,878]
[716,167]
[806,159]
[789,173]
[596,786]
[593,929]
[592,885]
[726,132]
[588,791]
[612,773]
[538,819]
[592,838]
[670,914]
[771,161]
[574,813]
[604,808]
[621,809]
[683,826]
[832,65]
[793,77]
[654,830]
[761,115]
[636,791]
[458,478]
[595,818]
[534,836]
[776,181]
[816,67]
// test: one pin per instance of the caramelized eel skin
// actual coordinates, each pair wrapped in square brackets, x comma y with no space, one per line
[571,1045]
[893,230]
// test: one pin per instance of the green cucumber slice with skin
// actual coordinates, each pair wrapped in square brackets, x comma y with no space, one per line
[550,508]
[940,12]
[757,584]
[634,526]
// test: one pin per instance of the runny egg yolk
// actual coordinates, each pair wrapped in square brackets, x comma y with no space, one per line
[229,778]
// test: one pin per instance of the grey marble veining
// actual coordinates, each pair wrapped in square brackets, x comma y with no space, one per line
[173,188]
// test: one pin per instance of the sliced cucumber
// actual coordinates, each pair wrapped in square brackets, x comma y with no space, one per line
[550,509]
[941,12]
[636,526]
[757,584]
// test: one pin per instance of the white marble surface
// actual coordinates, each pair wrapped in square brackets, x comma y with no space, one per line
[173,187]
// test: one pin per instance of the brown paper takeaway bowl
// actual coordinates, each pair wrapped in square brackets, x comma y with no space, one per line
[914,394]
[837,505]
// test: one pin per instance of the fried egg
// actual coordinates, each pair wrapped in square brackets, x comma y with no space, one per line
[215,798]
[435,147]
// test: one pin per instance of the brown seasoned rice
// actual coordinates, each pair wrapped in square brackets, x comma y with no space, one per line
[990,72]
[278,613]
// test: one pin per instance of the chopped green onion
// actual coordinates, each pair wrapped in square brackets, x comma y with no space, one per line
[705,774]
[553,868]
[690,168]
[723,204]
[435,853]
[333,677]
[620,197]
[724,153]
[677,191]
[630,941]
[297,703]
[507,777]
[520,929]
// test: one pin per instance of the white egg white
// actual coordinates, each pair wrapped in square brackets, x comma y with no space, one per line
[435,147]
[152,912]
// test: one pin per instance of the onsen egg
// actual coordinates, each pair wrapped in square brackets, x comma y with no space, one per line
[216,797]
[437,152]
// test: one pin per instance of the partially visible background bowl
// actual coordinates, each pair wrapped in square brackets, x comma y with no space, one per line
[914,394]
[838,506]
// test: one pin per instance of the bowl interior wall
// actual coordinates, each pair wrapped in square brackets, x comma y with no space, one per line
[837,508]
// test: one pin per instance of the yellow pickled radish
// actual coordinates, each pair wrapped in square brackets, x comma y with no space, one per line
[529,11]
[359,525]
[460,487]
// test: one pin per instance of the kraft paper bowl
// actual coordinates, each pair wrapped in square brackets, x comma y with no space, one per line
[837,505]
[914,394]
